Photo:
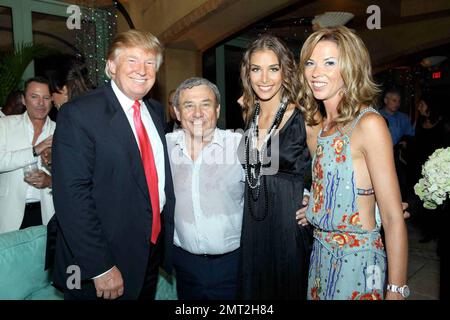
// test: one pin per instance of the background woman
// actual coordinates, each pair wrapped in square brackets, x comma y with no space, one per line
[69,82]
[66,84]
[430,135]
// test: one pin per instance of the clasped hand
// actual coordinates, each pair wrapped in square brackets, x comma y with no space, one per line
[46,157]
[39,179]
[300,215]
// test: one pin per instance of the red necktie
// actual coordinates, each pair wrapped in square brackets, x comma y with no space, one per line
[151,175]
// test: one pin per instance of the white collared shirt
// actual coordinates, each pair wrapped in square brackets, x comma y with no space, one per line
[209,193]
[33,194]
[157,146]
[2,115]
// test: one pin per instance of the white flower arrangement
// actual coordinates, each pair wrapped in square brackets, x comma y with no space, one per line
[434,187]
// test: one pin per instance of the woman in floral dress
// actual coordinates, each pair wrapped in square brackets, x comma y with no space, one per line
[352,167]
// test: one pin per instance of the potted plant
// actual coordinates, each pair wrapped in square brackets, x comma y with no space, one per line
[13,65]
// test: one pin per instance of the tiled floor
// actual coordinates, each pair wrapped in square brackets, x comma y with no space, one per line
[423,267]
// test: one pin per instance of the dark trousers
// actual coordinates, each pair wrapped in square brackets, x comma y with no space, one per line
[209,277]
[148,291]
[32,215]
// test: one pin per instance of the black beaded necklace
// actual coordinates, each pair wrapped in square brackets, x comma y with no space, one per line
[254,159]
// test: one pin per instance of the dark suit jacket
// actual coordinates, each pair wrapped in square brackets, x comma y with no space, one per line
[100,192]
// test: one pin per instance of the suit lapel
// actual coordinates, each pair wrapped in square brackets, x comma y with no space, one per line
[124,134]
[22,135]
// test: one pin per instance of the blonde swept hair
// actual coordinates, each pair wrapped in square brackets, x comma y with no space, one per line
[356,71]
[289,88]
[135,38]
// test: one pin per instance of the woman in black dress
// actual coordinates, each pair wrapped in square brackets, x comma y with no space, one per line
[275,249]
[429,132]
[430,135]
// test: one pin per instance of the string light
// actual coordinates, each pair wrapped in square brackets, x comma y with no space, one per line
[98,28]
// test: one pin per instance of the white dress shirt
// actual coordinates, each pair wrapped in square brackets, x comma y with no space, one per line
[209,193]
[155,140]
[2,115]
[33,194]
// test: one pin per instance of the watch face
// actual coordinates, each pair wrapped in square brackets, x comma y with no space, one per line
[405,291]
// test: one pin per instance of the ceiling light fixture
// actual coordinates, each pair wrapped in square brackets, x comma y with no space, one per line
[331,19]
[432,61]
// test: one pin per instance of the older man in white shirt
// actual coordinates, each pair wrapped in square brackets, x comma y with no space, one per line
[209,188]
[26,201]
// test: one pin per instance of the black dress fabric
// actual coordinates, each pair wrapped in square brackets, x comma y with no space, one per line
[426,141]
[275,249]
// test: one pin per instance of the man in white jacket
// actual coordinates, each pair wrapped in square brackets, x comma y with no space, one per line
[26,201]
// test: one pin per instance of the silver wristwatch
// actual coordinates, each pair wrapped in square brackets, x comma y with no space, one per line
[404,290]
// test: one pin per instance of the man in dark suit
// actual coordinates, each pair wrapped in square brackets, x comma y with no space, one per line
[112,185]
[173,123]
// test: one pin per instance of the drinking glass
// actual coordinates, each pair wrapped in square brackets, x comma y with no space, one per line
[30,169]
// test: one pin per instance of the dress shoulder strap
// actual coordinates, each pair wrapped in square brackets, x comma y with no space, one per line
[360,115]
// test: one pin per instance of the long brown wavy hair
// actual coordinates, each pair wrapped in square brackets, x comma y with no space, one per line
[356,71]
[289,88]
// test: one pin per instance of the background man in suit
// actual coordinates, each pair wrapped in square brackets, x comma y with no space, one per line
[173,123]
[113,190]
[26,202]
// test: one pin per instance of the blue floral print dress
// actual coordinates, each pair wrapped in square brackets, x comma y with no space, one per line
[347,261]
